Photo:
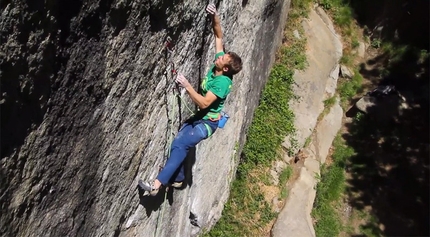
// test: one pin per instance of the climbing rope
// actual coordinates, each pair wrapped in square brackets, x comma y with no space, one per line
[169,50]
[168,47]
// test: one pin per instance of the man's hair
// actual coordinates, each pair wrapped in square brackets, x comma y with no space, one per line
[235,64]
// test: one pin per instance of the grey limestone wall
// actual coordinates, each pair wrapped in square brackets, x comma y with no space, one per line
[87,107]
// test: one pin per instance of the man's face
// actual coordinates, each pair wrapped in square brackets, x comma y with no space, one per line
[222,61]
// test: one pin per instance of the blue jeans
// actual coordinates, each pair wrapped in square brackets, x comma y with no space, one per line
[190,134]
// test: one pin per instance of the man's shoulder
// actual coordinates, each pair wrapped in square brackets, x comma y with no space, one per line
[223,79]
[220,53]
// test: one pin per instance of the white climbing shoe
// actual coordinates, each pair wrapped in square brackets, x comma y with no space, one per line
[177,184]
[148,187]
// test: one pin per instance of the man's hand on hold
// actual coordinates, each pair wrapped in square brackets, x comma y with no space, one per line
[216,25]
[211,9]
[182,81]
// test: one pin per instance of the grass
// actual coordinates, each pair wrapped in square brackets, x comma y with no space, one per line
[346,59]
[308,141]
[328,103]
[395,53]
[329,191]
[283,178]
[355,43]
[273,119]
[247,213]
[349,88]
[376,43]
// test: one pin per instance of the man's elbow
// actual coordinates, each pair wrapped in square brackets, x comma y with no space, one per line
[204,105]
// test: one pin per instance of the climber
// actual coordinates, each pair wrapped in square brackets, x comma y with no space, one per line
[214,89]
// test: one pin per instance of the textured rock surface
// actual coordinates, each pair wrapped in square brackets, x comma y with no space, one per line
[297,221]
[86,103]
[318,82]
[346,72]
[324,50]
[326,132]
[295,218]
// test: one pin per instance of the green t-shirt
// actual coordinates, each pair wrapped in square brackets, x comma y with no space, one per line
[219,85]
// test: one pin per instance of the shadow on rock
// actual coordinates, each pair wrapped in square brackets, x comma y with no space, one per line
[153,203]
[190,160]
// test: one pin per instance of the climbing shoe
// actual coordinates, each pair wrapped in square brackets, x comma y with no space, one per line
[177,184]
[148,187]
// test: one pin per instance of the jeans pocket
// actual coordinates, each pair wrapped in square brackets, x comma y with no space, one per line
[203,131]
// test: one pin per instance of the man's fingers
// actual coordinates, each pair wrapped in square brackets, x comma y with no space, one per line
[211,8]
[180,79]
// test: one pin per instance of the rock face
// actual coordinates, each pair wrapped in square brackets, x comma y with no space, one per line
[87,108]
[318,82]
[315,84]
[346,72]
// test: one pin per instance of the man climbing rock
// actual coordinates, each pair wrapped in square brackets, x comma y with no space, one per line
[214,90]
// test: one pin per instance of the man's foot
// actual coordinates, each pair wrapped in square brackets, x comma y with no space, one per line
[148,187]
[177,184]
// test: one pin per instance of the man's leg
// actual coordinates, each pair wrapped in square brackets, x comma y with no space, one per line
[179,174]
[188,137]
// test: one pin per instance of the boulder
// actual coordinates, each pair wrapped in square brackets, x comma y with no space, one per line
[325,132]
[297,221]
[324,49]
[345,72]
[381,108]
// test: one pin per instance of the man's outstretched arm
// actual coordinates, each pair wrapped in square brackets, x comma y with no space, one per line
[216,26]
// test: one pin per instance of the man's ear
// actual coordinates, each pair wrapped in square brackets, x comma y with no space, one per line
[225,69]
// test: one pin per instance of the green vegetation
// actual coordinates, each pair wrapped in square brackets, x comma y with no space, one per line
[376,43]
[273,120]
[247,213]
[394,54]
[330,190]
[423,55]
[283,177]
[355,43]
[346,59]
[308,141]
[328,103]
[349,88]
